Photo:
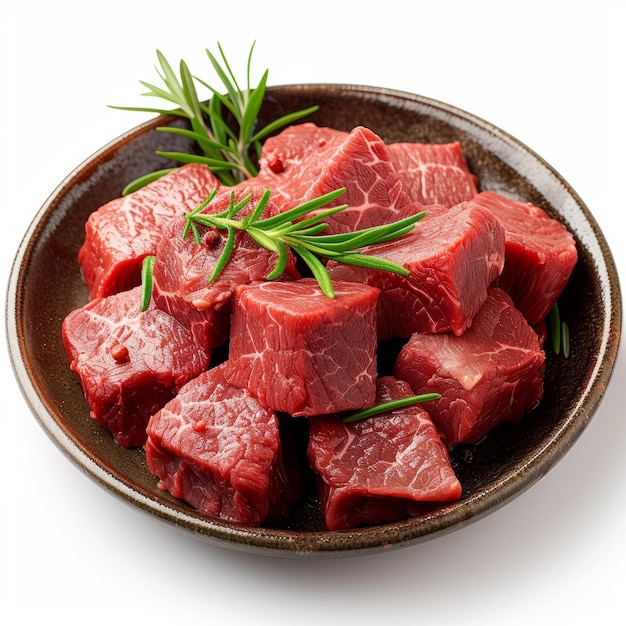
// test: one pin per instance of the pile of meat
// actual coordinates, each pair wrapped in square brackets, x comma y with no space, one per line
[210,377]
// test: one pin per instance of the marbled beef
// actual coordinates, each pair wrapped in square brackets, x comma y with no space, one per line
[383,468]
[453,255]
[540,254]
[286,151]
[219,449]
[301,352]
[433,173]
[122,232]
[129,363]
[491,373]
[306,161]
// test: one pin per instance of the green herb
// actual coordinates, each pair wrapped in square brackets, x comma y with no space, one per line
[146,281]
[558,331]
[142,181]
[282,232]
[390,406]
[224,128]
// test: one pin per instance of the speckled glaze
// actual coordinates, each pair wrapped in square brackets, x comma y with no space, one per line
[493,472]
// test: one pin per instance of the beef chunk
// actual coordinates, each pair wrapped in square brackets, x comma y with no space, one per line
[286,152]
[383,468]
[129,363]
[453,256]
[305,161]
[493,372]
[301,352]
[125,230]
[433,173]
[540,254]
[218,449]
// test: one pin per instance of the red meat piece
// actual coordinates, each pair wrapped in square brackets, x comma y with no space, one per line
[301,352]
[287,151]
[306,161]
[380,469]
[129,363]
[122,232]
[218,449]
[453,256]
[540,254]
[493,372]
[433,173]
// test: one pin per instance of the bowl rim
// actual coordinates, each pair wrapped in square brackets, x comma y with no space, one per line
[278,542]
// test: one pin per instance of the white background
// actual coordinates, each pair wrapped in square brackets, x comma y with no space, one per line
[551,74]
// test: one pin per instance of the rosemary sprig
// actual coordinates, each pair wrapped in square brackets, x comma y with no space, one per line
[390,406]
[224,128]
[287,230]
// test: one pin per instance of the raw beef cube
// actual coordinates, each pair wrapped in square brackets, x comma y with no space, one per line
[491,373]
[218,449]
[122,232]
[433,173]
[301,352]
[129,363]
[182,269]
[453,256]
[540,254]
[306,162]
[380,469]
[287,150]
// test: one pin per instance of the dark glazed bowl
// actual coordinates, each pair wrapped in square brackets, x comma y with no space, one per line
[493,472]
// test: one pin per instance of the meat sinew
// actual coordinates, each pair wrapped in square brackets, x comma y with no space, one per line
[122,232]
[453,255]
[301,352]
[182,269]
[540,254]
[491,373]
[306,162]
[219,449]
[129,363]
[433,173]
[383,468]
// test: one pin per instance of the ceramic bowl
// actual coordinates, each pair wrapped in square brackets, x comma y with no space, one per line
[500,467]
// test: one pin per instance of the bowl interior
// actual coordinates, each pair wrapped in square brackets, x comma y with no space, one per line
[46,285]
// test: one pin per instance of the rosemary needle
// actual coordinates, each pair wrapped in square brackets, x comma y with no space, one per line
[146,280]
[390,406]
